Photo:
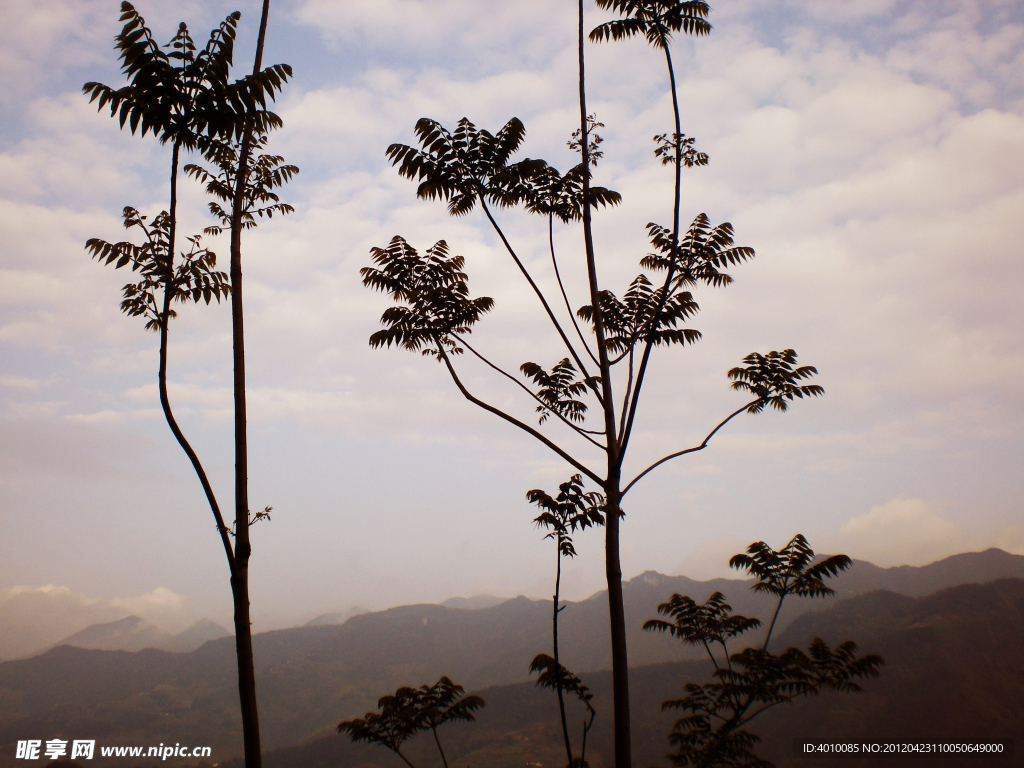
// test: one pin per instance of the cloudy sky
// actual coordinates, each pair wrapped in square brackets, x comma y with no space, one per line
[871,151]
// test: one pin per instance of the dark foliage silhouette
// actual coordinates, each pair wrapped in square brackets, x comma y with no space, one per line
[184,96]
[411,710]
[754,680]
[590,397]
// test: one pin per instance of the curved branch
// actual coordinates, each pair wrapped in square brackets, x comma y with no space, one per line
[558,276]
[165,404]
[543,301]
[629,389]
[583,432]
[514,421]
[700,447]
[744,720]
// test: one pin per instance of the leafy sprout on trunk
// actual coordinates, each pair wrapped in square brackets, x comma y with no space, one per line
[264,173]
[192,279]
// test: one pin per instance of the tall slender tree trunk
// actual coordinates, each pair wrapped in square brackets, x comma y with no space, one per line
[243,549]
[613,494]
[617,621]
[554,639]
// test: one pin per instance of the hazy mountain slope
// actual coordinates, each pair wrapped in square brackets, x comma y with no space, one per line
[473,603]
[133,634]
[118,697]
[582,621]
[311,677]
[915,581]
[954,671]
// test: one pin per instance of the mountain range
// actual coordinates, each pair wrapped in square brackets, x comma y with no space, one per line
[133,634]
[311,677]
[953,673]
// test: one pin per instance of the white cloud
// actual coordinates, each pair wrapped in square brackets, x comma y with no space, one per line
[870,151]
[159,606]
[33,618]
[710,560]
[899,532]
[912,532]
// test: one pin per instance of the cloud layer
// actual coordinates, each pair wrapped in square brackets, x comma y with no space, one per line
[872,154]
[34,618]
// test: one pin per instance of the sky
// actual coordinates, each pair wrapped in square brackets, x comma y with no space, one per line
[871,152]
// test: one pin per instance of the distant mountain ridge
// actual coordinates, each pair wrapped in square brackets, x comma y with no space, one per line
[311,677]
[476,602]
[134,634]
[937,685]
[336,617]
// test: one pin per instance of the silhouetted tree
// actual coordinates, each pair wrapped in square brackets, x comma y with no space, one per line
[184,96]
[571,510]
[754,680]
[390,726]
[556,677]
[440,703]
[411,710]
[603,371]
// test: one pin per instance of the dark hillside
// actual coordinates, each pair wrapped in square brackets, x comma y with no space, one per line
[954,671]
[309,678]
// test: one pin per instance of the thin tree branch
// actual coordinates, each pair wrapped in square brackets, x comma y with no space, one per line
[438,742]
[222,529]
[165,405]
[540,295]
[582,432]
[165,402]
[625,399]
[700,447]
[713,659]
[744,721]
[771,627]
[514,421]
[558,664]
[558,276]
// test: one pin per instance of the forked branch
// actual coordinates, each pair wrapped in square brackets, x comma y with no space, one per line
[585,433]
[512,419]
[543,300]
[701,447]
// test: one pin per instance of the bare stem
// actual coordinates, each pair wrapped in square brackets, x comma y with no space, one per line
[584,433]
[677,454]
[514,421]
[540,295]
[561,287]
